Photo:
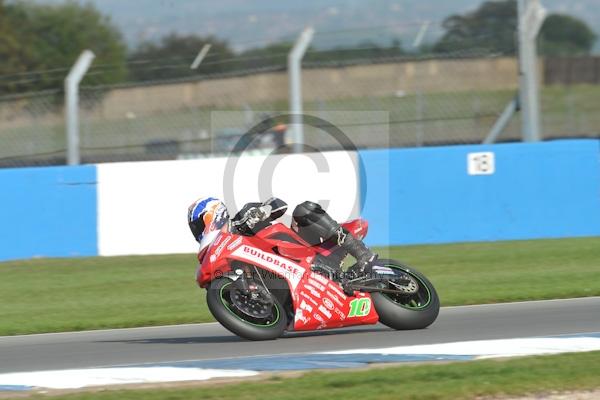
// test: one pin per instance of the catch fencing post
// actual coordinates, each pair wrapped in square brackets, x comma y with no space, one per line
[531,15]
[420,103]
[72,81]
[502,121]
[201,56]
[294,71]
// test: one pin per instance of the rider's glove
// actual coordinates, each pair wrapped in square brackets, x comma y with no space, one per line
[256,214]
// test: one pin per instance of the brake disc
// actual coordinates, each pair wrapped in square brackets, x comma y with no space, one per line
[253,304]
[410,288]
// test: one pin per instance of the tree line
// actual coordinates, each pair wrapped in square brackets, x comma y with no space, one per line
[39,43]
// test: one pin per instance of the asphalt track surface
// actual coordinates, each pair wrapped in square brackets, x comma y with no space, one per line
[211,341]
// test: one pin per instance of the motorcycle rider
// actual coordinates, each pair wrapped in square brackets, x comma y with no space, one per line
[310,221]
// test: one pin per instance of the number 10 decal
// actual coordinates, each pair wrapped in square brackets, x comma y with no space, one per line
[360,307]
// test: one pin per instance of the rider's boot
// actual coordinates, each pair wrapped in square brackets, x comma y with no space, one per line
[357,249]
[333,272]
[311,216]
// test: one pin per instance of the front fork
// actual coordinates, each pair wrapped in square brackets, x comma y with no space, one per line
[244,280]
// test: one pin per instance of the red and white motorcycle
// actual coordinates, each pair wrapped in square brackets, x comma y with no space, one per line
[260,286]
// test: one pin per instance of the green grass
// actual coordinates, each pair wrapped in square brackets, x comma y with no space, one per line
[440,382]
[49,295]
[508,271]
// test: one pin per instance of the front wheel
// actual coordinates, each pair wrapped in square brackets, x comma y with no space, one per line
[249,318]
[417,308]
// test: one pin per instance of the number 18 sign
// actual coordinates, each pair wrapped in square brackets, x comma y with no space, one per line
[482,163]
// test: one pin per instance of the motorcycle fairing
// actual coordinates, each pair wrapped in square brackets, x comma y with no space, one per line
[321,303]
[318,302]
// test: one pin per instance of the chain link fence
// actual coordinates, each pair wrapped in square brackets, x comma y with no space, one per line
[32,129]
[431,101]
[449,99]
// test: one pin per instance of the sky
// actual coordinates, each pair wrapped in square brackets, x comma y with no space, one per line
[255,23]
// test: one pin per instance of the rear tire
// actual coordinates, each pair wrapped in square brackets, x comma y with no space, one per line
[225,312]
[406,312]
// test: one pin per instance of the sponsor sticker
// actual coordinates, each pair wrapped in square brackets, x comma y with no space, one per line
[328,303]
[337,291]
[292,272]
[319,277]
[335,298]
[234,244]
[301,317]
[313,291]
[316,284]
[222,245]
[307,297]
[324,311]
[305,306]
[340,313]
[218,240]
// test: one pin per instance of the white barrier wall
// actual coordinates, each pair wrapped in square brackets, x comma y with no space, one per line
[142,206]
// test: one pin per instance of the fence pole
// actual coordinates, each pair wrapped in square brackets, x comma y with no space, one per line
[502,121]
[294,71]
[201,55]
[531,15]
[419,100]
[72,81]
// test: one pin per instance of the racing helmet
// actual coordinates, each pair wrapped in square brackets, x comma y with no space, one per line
[207,215]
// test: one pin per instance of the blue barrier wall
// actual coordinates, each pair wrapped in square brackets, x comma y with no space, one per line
[539,190]
[410,196]
[48,212]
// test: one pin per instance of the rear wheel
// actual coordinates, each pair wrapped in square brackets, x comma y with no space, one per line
[416,307]
[250,318]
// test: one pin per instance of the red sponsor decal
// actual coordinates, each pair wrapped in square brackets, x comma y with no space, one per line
[316,284]
[234,244]
[313,291]
[333,287]
[301,317]
[272,260]
[335,298]
[328,303]
[305,306]
[309,298]
[319,278]
[340,314]
[324,311]
[337,291]
[222,245]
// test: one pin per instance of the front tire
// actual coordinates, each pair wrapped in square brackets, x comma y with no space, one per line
[404,312]
[220,304]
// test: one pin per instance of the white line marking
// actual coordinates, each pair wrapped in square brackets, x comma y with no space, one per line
[481,349]
[79,378]
[491,348]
